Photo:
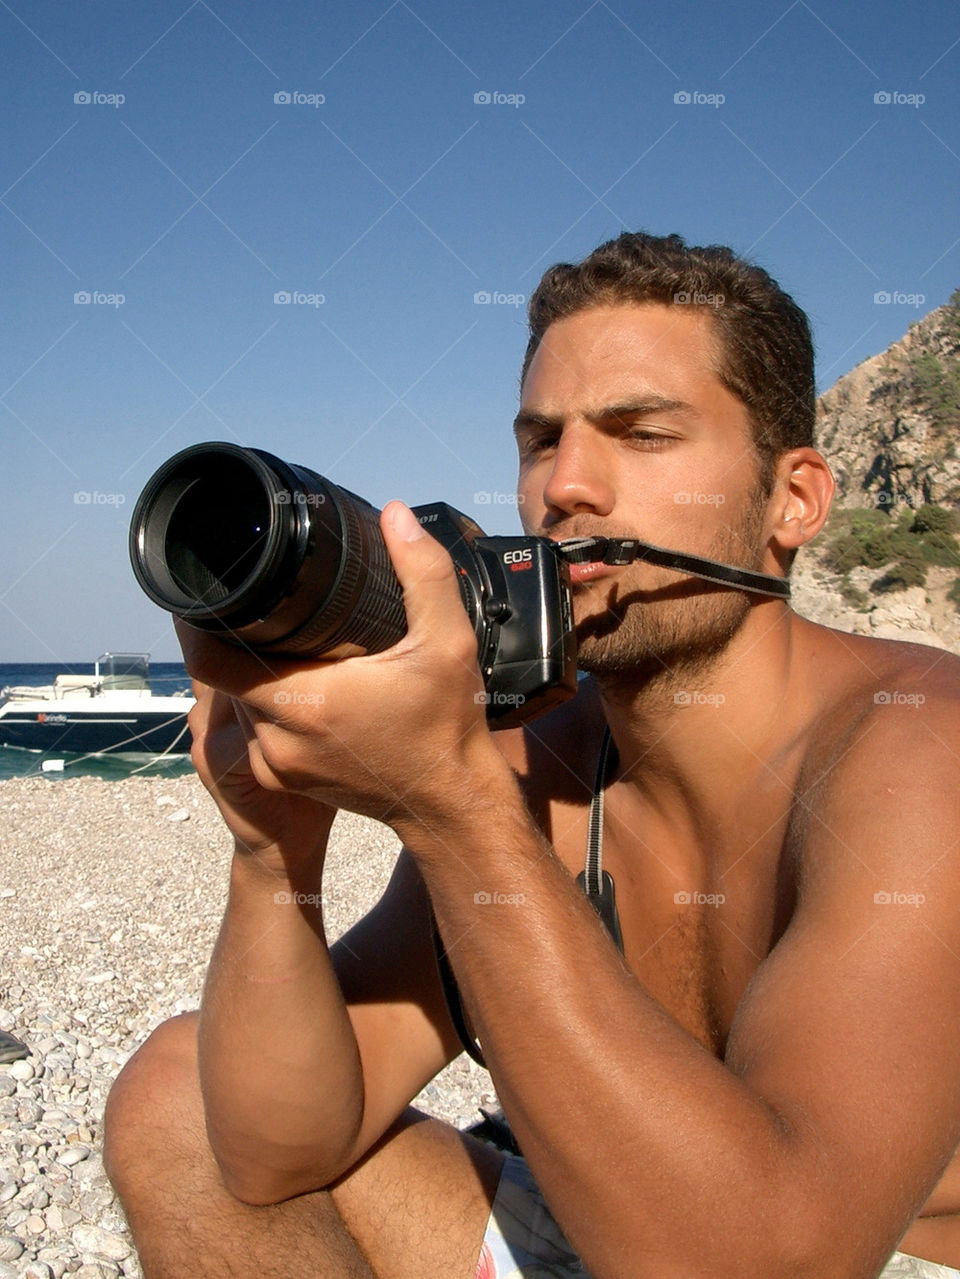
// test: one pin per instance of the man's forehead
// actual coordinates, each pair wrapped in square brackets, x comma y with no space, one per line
[607,351]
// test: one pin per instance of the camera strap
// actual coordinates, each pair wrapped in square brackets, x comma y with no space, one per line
[624,550]
[597,883]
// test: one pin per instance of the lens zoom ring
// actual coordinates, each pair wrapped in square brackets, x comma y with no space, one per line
[374,619]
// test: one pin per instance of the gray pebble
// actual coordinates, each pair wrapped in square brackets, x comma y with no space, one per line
[8,1190]
[91,1169]
[28,1111]
[73,1155]
[36,1270]
[8,1270]
[58,1266]
[102,1243]
[10,1248]
[94,1200]
[8,1084]
[22,1070]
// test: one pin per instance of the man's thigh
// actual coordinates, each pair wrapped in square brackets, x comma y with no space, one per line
[417,1205]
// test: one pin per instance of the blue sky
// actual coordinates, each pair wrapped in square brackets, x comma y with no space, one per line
[385,195]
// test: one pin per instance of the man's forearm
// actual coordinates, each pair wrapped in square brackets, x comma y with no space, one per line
[275,1040]
[655,1157]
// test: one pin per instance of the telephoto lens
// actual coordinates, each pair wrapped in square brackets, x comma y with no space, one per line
[267,554]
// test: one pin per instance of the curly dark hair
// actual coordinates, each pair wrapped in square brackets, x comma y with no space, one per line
[767,350]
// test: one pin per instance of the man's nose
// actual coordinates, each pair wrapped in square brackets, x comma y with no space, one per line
[580,478]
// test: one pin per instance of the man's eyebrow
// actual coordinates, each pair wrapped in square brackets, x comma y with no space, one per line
[527,419]
[641,406]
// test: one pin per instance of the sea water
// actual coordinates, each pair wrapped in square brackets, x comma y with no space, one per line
[166,678]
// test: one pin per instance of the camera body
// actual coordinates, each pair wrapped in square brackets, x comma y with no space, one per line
[516,591]
[276,558]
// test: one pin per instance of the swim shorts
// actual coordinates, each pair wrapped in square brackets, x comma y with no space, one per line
[523,1241]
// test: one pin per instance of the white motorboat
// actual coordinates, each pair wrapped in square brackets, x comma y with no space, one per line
[114,711]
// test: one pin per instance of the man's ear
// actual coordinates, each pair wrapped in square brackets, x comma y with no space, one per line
[800,500]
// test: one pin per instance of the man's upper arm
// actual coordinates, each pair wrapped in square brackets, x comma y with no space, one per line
[850,1029]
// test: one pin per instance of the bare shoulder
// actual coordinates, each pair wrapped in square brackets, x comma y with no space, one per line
[884,739]
[863,680]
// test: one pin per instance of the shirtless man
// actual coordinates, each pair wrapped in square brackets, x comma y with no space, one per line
[766,1084]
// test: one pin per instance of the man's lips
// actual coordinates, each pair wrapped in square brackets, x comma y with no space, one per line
[596,568]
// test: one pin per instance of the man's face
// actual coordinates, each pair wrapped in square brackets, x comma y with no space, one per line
[625,430]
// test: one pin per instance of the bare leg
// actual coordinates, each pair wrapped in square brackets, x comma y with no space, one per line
[416,1205]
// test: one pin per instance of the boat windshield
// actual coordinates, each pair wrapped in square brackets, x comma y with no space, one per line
[123,670]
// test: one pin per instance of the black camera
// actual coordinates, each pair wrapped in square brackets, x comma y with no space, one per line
[276,558]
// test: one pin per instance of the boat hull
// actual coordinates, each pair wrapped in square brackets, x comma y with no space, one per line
[96,730]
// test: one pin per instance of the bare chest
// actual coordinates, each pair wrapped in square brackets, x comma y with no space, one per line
[696,922]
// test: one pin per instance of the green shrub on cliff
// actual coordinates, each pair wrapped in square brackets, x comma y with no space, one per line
[872,538]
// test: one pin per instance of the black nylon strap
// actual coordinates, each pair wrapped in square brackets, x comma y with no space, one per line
[597,883]
[624,550]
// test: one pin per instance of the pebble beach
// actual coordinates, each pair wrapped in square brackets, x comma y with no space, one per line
[111,895]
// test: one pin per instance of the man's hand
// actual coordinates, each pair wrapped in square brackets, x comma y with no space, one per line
[285,832]
[388,735]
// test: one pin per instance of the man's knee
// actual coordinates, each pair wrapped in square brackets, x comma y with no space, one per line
[154,1099]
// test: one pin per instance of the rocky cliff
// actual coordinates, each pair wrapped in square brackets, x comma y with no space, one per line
[890,429]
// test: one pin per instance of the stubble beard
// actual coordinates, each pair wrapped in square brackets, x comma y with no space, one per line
[671,630]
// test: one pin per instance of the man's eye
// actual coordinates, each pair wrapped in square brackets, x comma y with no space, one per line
[647,439]
[537,444]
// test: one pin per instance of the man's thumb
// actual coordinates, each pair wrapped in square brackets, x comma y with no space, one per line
[430,592]
[403,522]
